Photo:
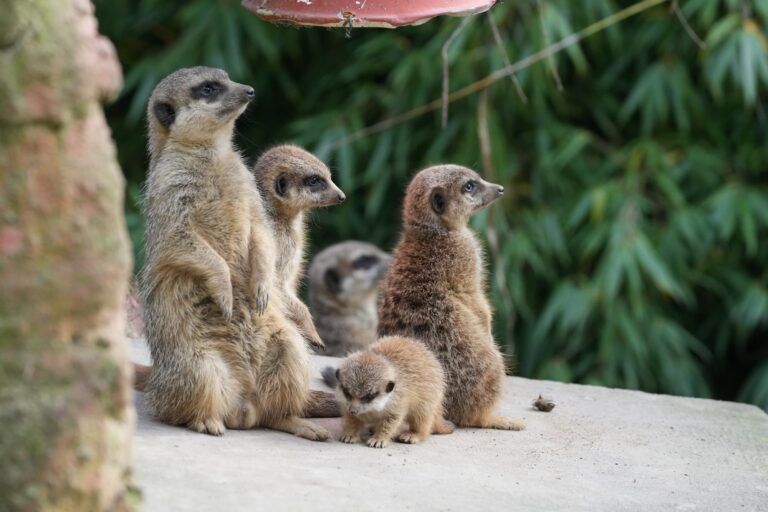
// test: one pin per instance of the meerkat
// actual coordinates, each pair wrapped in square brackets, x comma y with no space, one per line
[395,380]
[224,356]
[435,291]
[292,181]
[343,291]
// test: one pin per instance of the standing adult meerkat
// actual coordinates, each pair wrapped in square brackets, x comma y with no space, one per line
[292,181]
[223,353]
[395,380]
[343,293]
[435,291]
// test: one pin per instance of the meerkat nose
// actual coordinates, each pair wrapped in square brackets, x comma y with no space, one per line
[341,197]
[499,189]
[250,93]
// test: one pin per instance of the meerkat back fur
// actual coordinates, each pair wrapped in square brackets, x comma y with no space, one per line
[435,291]
[292,181]
[343,292]
[395,380]
[223,353]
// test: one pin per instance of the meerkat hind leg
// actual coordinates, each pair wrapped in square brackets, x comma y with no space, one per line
[418,430]
[442,426]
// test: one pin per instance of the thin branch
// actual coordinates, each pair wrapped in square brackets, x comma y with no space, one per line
[550,60]
[504,72]
[444,53]
[491,229]
[684,22]
[505,57]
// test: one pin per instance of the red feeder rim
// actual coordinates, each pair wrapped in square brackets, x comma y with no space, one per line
[362,13]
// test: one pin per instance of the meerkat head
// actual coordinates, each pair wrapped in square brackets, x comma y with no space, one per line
[293,180]
[445,196]
[194,105]
[365,382]
[348,273]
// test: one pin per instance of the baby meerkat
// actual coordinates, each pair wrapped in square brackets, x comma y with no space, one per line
[435,291]
[223,353]
[396,380]
[292,181]
[343,291]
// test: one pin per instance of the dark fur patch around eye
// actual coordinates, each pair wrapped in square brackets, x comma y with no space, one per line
[315,183]
[332,280]
[364,262]
[369,398]
[390,386]
[281,185]
[209,91]
[437,199]
[164,113]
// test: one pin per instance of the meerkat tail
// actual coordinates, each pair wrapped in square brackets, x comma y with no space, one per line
[321,404]
[443,426]
[329,376]
[140,376]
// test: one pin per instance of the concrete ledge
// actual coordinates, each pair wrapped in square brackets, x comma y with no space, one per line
[599,449]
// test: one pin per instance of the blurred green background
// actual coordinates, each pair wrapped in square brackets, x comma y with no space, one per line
[630,250]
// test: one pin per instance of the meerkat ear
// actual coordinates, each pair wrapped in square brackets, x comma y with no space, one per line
[390,386]
[281,185]
[165,113]
[332,280]
[438,201]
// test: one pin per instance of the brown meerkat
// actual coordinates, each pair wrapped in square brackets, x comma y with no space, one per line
[395,380]
[343,292]
[222,351]
[292,181]
[435,291]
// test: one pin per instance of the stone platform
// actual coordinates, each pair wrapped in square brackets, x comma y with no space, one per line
[599,449]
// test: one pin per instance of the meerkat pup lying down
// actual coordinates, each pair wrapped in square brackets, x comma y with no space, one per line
[396,380]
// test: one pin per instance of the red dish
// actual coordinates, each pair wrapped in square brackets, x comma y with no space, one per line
[362,13]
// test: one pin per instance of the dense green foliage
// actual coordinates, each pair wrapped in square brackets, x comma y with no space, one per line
[631,250]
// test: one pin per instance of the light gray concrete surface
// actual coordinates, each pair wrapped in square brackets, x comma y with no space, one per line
[599,449]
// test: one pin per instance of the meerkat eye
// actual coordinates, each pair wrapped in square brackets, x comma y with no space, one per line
[364,262]
[369,397]
[315,183]
[207,90]
[347,395]
[470,186]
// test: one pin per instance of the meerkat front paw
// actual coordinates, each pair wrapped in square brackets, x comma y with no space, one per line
[315,342]
[377,442]
[349,438]
[261,296]
[208,426]
[225,302]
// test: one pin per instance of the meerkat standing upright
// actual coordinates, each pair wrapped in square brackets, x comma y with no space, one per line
[343,291]
[291,181]
[395,380]
[223,353]
[435,291]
